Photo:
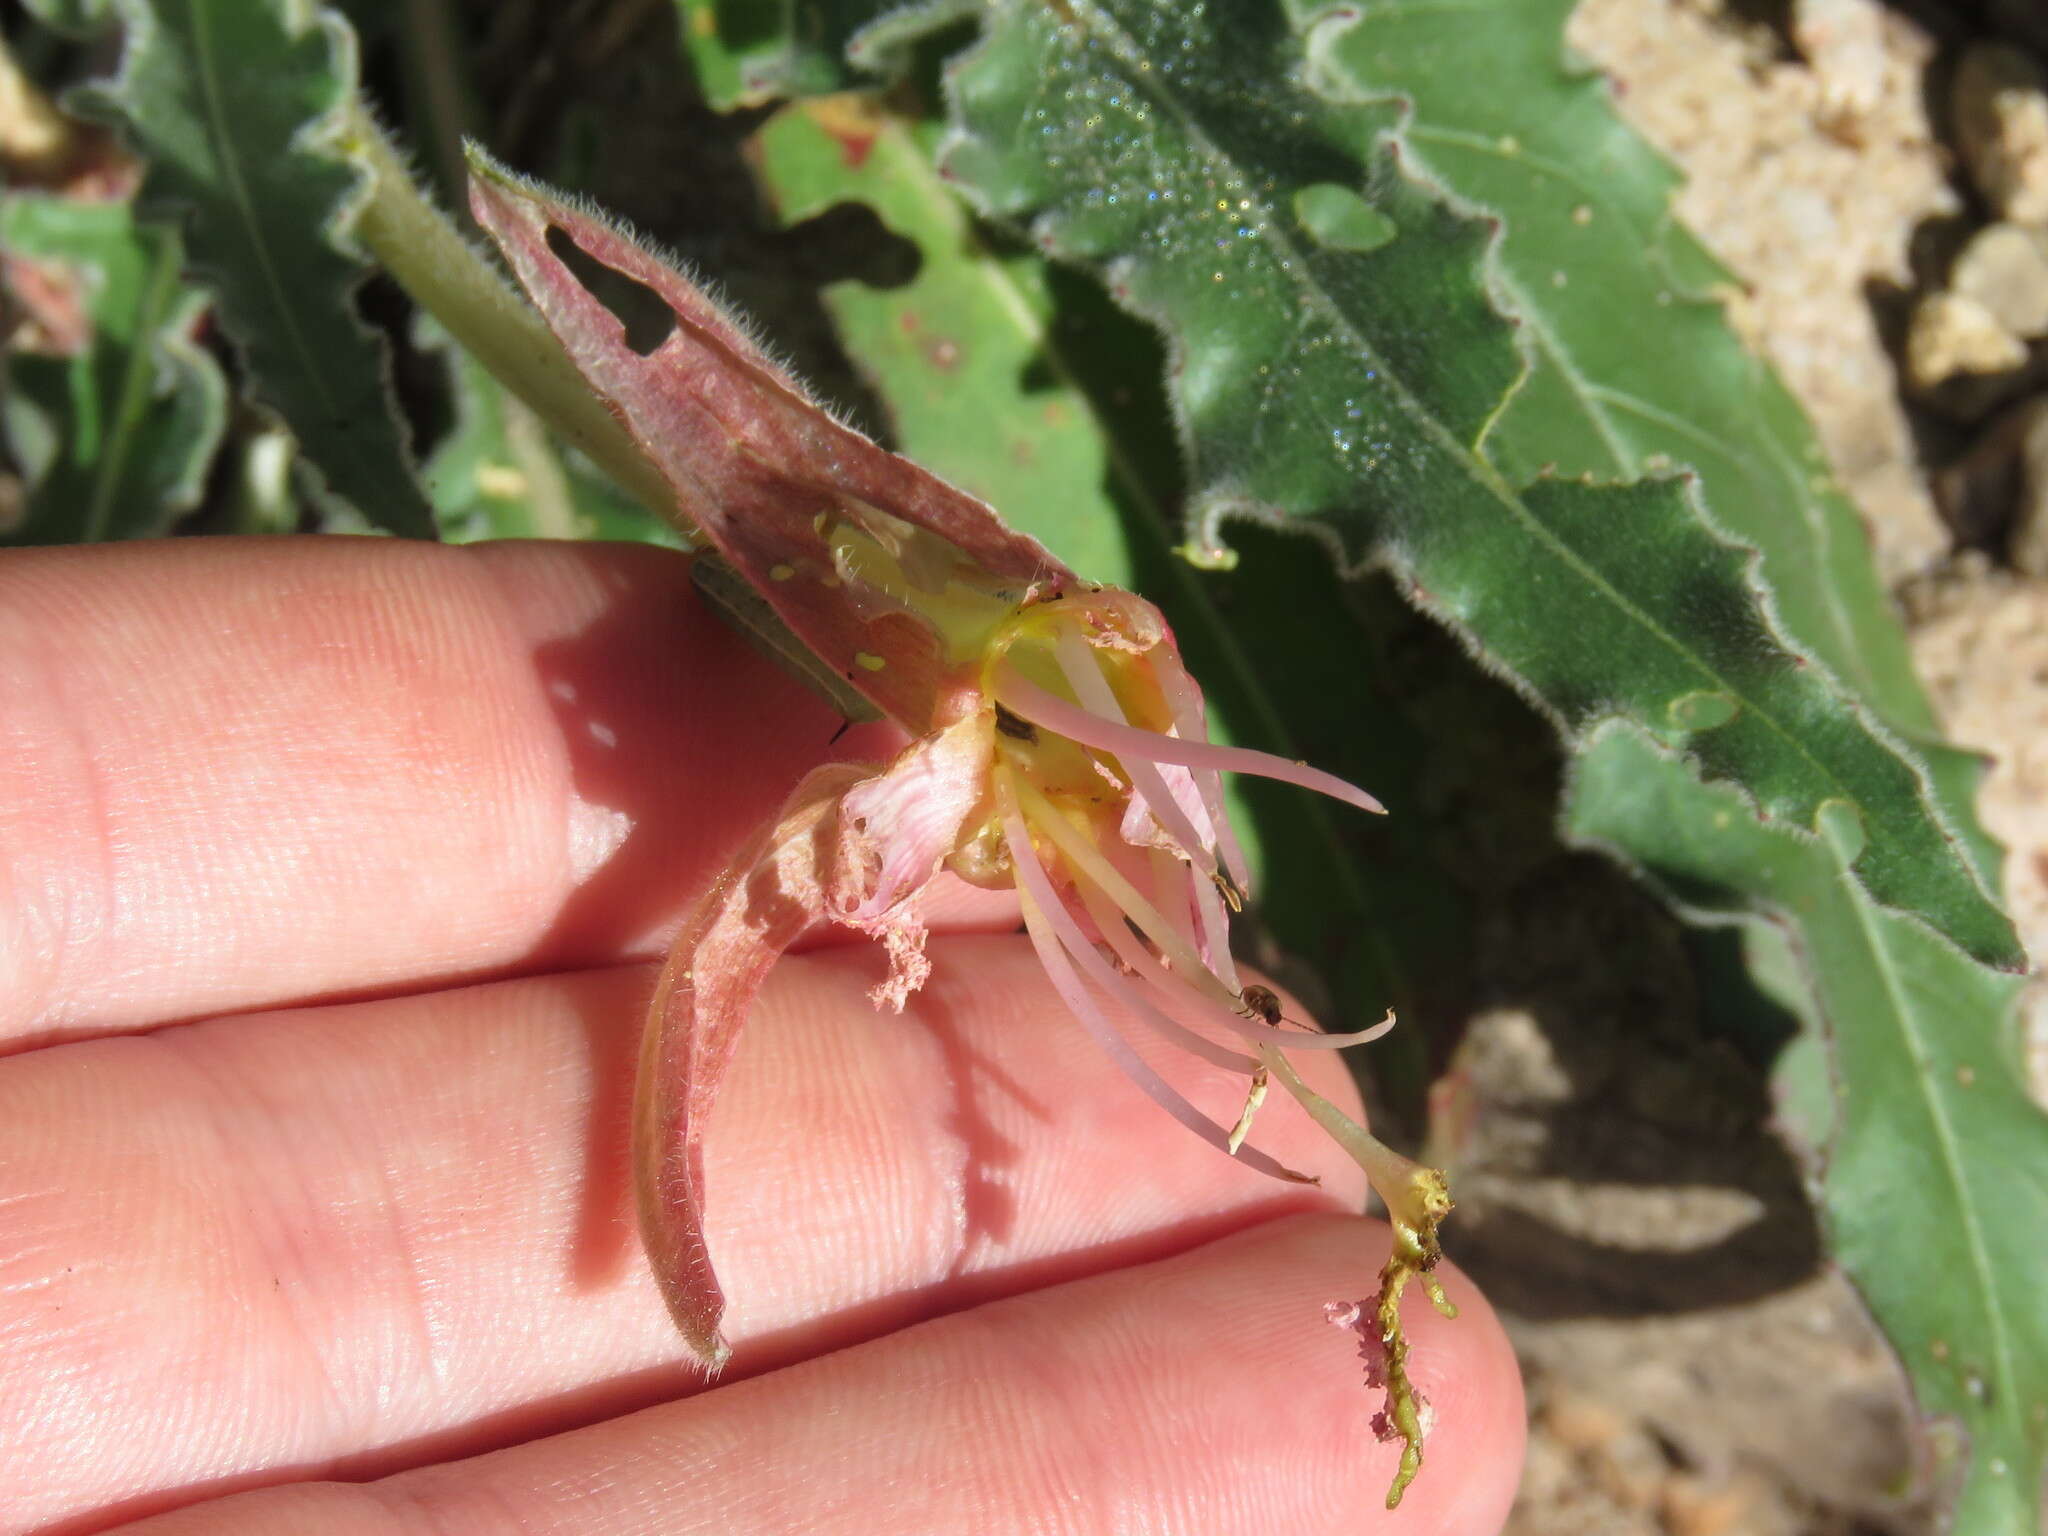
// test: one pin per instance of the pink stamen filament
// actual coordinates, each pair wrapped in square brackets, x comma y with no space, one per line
[1037,897]
[1216,933]
[1085,860]
[1107,918]
[1170,892]
[1028,701]
[1121,988]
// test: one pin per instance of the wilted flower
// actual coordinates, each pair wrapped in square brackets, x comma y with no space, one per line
[1058,746]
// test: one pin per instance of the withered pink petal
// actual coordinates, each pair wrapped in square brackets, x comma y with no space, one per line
[771,893]
[895,830]
[756,465]
[909,817]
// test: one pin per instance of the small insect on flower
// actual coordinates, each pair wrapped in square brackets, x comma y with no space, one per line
[1058,747]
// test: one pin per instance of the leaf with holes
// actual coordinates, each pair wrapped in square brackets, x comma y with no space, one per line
[749,51]
[961,352]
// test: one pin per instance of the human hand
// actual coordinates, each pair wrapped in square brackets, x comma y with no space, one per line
[315,1265]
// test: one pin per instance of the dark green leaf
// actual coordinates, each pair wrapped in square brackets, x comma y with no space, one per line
[1354,390]
[238,107]
[1634,368]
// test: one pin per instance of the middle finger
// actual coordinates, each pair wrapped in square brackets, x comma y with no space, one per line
[344,1240]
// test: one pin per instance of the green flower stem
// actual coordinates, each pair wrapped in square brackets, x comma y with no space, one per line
[452,281]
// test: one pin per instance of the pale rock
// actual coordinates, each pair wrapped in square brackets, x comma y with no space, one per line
[1952,335]
[2001,125]
[1746,127]
[2005,269]
[1844,42]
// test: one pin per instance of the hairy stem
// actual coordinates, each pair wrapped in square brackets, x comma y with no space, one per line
[458,286]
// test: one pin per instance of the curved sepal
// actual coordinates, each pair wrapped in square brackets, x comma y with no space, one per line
[770,894]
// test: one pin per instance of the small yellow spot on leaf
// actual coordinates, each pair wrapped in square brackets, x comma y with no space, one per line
[501,481]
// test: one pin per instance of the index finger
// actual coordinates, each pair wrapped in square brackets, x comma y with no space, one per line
[242,772]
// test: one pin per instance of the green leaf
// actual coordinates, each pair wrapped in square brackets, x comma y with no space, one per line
[1634,368]
[1936,1190]
[1352,391]
[116,436]
[238,106]
[961,353]
[500,474]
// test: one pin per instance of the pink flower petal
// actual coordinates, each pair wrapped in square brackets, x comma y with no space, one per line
[895,829]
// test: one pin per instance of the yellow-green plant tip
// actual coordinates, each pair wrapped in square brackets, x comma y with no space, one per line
[1437,1298]
[1418,1198]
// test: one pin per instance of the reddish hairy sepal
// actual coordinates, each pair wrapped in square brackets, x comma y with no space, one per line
[854,844]
[756,465]
[776,888]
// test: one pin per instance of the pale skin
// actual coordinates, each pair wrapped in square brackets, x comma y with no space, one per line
[329,875]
